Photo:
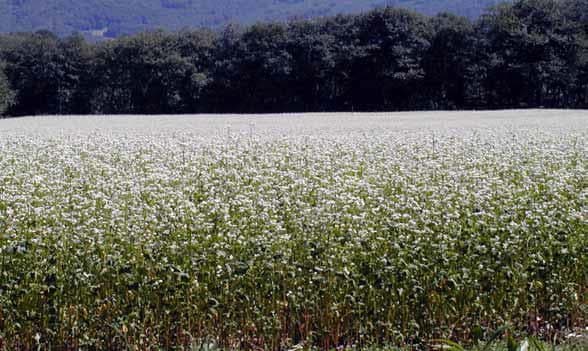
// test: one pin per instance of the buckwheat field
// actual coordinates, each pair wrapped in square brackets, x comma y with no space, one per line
[269,232]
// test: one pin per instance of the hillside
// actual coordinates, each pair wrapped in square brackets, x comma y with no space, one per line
[112,18]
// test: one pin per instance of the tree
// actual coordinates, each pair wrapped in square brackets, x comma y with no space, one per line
[340,89]
[72,62]
[388,70]
[6,94]
[154,72]
[576,14]
[448,59]
[110,92]
[500,32]
[530,55]
[224,89]
[312,48]
[265,67]
[32,71]
[551,53]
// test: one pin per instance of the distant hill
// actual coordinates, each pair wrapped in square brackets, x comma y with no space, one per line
[111,18]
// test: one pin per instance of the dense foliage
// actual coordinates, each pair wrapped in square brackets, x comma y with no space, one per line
[110,18]
[6,94]
[533,53]
[283,233]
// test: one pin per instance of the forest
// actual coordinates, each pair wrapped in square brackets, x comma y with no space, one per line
[528,54]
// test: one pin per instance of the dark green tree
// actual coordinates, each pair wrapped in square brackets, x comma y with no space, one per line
[195,49]
[388,70]
[153,72]
[500,33]
[73,63]
[136,75]
[33,73]
[312,49]
[448,60]
[339,90]
[224,89]
[576,16]
[264,65]
[530,55]
[6,94]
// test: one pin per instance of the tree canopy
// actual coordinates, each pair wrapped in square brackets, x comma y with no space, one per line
[532,53]
[6,93]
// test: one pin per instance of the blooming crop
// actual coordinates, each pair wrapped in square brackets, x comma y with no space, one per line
[269,231]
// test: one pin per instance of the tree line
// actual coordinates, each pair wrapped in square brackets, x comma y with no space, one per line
[531,53]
